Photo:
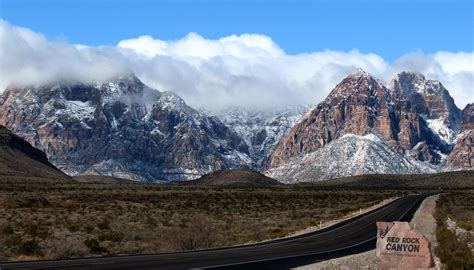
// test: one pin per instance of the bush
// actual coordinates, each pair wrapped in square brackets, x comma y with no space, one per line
[94,246]
[104,225]
[7,229]
[30,247]
[454,254]
[36,229]
[110,236]
[89,228]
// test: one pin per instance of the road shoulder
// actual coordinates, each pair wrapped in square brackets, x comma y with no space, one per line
[425,224]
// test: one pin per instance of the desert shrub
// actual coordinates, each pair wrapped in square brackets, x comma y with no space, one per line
[66,249]
[36,229]
[453,252]
[72,226]
[30,247]
[160,218]
[198,234]
[104,224]
[13,241]
[94,246]
[89,228]
[7,229]
[110,236]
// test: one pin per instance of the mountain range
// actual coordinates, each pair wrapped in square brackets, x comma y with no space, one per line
[123,128]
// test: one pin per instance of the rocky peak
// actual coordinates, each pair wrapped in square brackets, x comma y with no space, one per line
[431,100]
[356,86]
[123,128]
[407,82]
[467,122]
[359,72]
[359,104]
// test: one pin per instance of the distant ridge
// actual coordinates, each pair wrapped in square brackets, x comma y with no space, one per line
[20,160]
[235,177]
[444,180]
[102,179]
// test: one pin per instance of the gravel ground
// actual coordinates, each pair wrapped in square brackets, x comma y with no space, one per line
[425,224]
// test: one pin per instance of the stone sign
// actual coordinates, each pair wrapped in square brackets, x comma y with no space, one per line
[398,246]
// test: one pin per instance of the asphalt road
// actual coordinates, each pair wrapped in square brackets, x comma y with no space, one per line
[352,236]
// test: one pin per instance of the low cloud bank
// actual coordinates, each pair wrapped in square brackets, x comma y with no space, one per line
[248,70]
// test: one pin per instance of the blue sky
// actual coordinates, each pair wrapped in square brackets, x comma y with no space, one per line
[387,28]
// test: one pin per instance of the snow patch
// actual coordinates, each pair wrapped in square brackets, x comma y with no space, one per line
[347,156]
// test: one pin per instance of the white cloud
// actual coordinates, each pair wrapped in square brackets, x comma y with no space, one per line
[248,70]
[28,57]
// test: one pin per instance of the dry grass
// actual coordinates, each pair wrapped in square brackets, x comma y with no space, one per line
[447,180]
[454,251]
[45,220]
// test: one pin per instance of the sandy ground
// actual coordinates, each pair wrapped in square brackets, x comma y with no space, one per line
[425,224]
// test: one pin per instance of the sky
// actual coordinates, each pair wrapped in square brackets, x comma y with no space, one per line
[388,28]
[238,52]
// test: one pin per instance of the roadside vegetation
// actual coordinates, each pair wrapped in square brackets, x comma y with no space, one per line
[456,245]
[50,220]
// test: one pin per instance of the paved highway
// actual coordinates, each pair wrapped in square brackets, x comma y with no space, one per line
[348,237]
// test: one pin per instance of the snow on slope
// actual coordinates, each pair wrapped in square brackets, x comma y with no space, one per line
[347,156]
[261,130]
[440,128]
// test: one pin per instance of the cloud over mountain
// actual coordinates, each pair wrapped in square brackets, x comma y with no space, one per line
[248,70]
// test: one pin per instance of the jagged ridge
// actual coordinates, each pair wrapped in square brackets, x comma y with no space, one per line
[121,128]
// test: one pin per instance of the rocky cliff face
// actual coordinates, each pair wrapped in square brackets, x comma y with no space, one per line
[467,122]
[359,105]
[122,128]
[462,154]
[431,100]
[261,130]
[414,119]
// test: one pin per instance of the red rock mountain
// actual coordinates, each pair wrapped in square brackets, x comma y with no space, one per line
[120,128]
[462,154]
[360,104]
[125,129]
[431,100]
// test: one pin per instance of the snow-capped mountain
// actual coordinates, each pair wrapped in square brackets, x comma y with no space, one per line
[336,138]
[122,128]
[432,101]
[349,155]
[261,130]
